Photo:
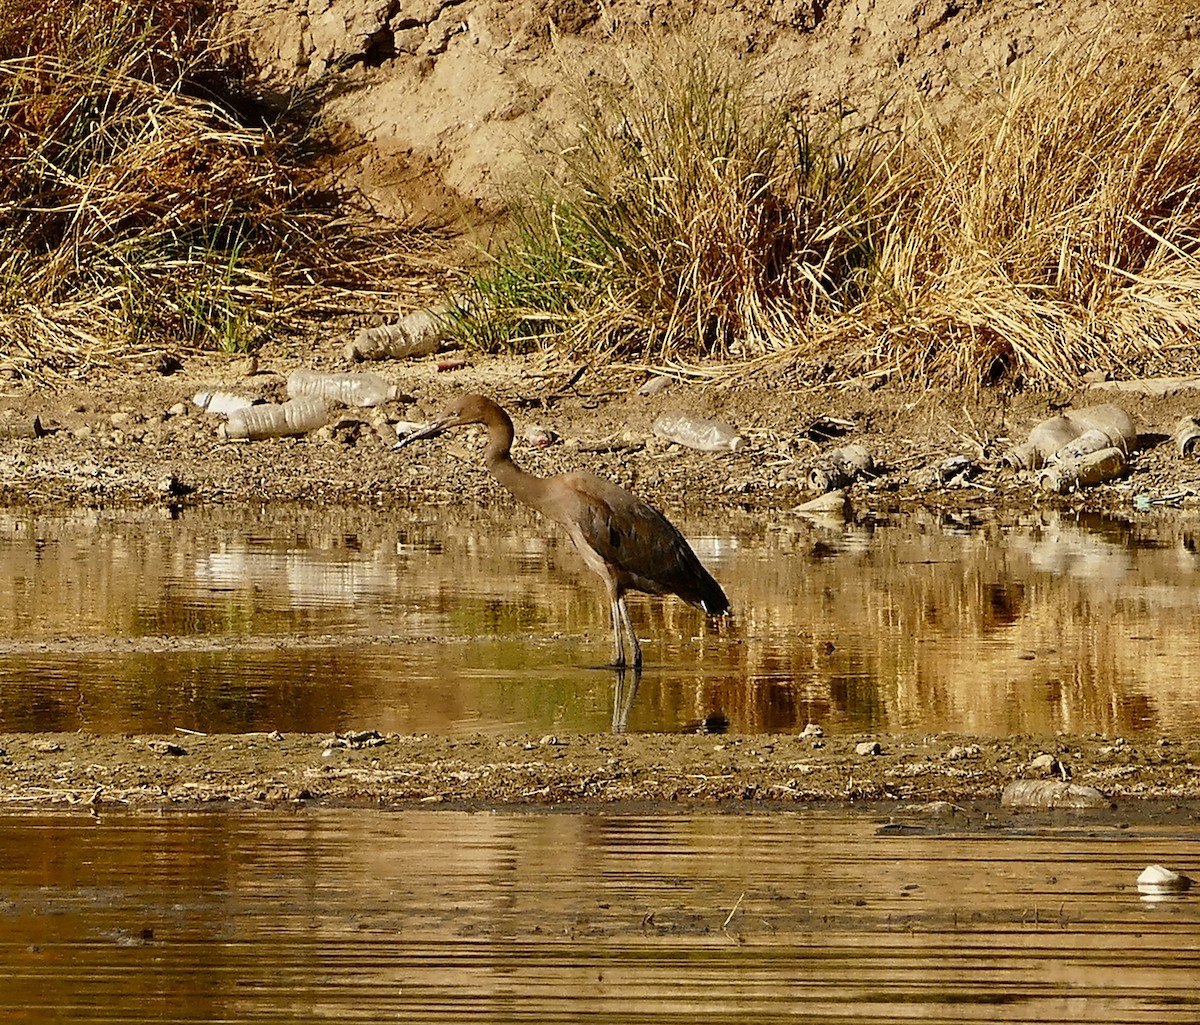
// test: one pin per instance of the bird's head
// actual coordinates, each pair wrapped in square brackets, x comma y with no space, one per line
[466,409]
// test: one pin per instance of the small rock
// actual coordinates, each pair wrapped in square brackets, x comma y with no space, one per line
[172,487]
[550,740]
[933,809]
[537,436]
[1048,765]
[165,747]
[46,746]
[832,503]
[654,385]
[812,730]
[957,754]
[868,747]
[903,829]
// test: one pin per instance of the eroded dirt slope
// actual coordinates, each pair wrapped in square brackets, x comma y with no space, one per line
[435,104]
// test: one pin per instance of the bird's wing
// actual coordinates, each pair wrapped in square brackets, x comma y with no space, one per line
[638,543]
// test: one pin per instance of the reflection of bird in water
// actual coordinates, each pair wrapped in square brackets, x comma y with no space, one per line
[624,691]
[630,544]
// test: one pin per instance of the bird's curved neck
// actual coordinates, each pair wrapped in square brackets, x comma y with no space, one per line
[497,457]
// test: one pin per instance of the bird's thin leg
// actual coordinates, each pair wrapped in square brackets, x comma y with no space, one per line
[627,623]
[618,640]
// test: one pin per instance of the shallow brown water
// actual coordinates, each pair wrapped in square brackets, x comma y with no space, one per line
[372,916]
[462,621]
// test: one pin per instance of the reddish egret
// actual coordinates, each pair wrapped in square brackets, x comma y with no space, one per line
[629,543]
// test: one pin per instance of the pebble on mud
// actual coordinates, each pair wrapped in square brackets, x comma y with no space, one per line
[957,754]
[868,747]
[1050,766]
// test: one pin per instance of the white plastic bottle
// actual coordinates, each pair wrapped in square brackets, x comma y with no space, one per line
[697,433]
[221,402]
[350,389]
[270,420]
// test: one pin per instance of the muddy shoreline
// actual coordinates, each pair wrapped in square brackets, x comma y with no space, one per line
[135,438]
[580,772]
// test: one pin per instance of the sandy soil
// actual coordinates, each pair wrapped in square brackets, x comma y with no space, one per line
[776,772]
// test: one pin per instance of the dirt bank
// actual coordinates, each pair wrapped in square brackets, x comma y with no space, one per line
[434,106]
[768,772]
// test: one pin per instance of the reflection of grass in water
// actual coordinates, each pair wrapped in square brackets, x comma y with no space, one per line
[911,627]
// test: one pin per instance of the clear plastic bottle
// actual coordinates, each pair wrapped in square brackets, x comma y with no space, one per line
[269,420]
[1092,468]
[350,389]
[419,333]
[697,433]
[1044,440]
[1187,437]
[1049,437]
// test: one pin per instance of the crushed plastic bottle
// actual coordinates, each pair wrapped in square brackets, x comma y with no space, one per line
[269,420]
[1051,436]
[350,389]
[697,433]
[1187,437]
[1085,444]
[1090,468]
[419,333]
[841,468]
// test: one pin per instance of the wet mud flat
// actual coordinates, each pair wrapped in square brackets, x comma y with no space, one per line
[581,772]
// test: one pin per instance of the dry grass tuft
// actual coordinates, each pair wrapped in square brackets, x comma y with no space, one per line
[1058,235]
[687,217]
[138,208]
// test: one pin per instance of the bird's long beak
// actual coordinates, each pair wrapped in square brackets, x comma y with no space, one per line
[429,430]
